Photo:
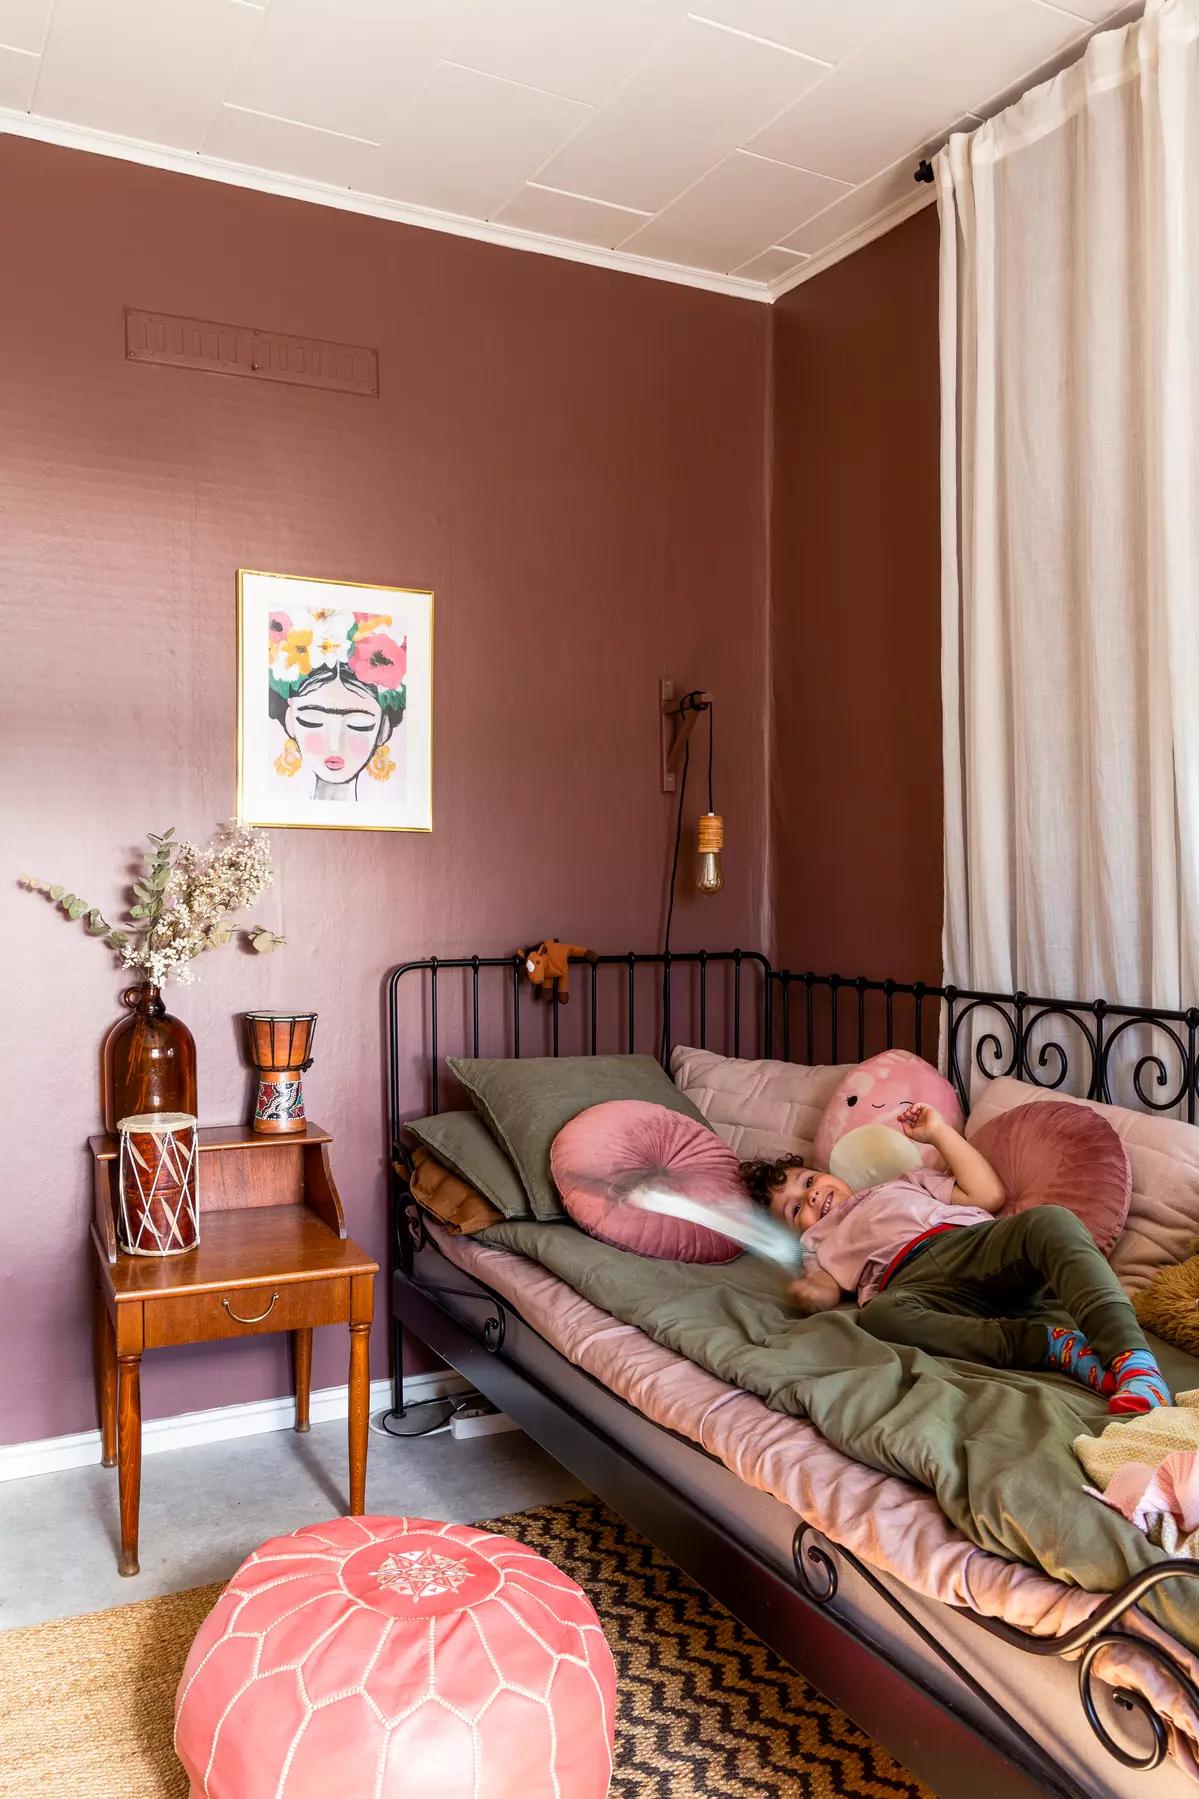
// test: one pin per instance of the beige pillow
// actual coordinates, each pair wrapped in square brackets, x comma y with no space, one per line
[760,1108]
[1164,1155]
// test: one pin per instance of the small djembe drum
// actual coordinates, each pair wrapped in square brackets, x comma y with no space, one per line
[158,1184]
[281,1050]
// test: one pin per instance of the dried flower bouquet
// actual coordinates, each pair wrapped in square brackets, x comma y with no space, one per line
[182,902]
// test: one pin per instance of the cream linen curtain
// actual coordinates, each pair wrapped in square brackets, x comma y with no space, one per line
[1070,527]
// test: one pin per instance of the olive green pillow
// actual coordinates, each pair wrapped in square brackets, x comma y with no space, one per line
[527,1100]
[463,1142]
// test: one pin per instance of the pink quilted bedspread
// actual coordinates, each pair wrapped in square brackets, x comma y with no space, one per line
[895,1527]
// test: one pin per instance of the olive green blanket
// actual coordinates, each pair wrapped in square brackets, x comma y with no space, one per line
[992,1444]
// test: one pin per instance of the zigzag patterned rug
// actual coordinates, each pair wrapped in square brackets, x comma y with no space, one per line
[704,1709]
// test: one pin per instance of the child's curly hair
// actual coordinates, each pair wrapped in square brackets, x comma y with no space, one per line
[761,1178]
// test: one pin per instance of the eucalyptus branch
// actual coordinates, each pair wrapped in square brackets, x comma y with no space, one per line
[94,923]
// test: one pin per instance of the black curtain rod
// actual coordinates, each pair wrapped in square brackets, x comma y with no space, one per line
[924,170]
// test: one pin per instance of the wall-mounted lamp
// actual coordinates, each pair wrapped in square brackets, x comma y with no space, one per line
[679,718]
[709,841]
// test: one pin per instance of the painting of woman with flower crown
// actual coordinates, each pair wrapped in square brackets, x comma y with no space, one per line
[335,704]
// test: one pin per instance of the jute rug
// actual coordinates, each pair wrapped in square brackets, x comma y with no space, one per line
[704,1709]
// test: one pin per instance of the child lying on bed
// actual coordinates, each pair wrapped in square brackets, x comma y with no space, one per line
[933,1268]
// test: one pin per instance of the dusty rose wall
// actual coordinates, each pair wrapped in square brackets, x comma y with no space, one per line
[573,460]
[855,781]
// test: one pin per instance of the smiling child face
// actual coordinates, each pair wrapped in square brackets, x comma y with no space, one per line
[805,1195]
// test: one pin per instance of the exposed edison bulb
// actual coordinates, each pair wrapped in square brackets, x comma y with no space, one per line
[709,841]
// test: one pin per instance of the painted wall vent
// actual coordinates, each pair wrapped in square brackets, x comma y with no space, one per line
[240,350]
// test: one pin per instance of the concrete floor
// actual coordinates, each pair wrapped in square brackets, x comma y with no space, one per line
[204,1509]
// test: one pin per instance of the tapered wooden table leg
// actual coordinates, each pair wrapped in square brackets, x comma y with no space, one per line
[301,1352]
[360,1398]
[106,1382]
[129,1456]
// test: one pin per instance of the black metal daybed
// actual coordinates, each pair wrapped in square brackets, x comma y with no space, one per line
[961,1699]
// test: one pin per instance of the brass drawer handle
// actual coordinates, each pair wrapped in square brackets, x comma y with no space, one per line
[258,1316]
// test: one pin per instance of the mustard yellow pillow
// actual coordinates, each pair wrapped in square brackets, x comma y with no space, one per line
[1169,1305]
[449,1198]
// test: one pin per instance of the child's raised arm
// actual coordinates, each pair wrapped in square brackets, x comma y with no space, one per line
[975,1181]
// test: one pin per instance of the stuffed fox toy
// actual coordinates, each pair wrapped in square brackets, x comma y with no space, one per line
[548,966]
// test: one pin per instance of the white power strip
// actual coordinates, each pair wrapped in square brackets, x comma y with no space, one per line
[470,1423]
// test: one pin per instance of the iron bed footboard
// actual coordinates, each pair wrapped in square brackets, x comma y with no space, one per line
[1090,1046]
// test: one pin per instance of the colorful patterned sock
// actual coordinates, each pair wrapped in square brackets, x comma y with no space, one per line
[1070,1353]
[1140,1384]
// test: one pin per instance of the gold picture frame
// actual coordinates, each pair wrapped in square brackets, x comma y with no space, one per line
[334,704]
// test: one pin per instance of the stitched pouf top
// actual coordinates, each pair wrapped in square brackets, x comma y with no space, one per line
[374,1657]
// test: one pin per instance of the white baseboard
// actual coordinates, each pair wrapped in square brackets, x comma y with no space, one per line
[220,1425]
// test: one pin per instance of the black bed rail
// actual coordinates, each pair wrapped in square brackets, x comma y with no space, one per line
[735,1000]
[743,1007]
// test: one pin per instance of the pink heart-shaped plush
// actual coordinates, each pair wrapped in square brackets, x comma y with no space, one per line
[859,1137]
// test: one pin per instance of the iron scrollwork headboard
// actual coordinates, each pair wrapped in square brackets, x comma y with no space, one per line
[1093,1049]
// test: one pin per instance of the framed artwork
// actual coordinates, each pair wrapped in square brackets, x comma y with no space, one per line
[334,704]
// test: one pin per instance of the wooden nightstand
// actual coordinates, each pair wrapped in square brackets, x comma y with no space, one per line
[273,1255]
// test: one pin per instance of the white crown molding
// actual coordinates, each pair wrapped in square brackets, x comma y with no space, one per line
[290,187]
[857,239]
[221,1424]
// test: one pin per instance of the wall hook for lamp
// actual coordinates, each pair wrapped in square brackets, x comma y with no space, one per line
[677,720]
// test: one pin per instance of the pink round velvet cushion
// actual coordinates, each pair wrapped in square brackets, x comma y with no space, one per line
[1055,1154]
[395,1657]
[609,1151]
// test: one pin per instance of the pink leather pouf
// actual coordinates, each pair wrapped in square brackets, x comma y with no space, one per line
[372,1657]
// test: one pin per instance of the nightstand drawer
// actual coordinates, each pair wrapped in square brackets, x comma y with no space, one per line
[246,1311]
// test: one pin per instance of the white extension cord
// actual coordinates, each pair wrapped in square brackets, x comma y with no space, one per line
[478,1419]
[470,1416]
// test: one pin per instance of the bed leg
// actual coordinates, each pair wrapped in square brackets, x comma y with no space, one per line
[397,1368]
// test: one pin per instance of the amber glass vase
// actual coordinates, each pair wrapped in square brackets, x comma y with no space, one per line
[149,1060]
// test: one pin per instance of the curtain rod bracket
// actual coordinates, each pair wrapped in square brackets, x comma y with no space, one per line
[924,170]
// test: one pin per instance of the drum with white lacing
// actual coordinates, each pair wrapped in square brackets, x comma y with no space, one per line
[158,1187]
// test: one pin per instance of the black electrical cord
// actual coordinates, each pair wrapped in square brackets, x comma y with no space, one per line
[439,1418]
[678,839]
[711,752]
[674,881]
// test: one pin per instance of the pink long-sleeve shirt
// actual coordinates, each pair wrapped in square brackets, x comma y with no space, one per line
[857,1242]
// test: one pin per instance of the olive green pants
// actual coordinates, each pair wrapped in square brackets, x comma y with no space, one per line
[986,1293]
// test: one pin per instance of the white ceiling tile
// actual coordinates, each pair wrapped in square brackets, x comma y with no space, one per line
[733,212]
[1092,12]
[18,72]
[688,105]
[154,69]
[817,27]
[862,204]
[468,142]
[23,23]
[858,207]
[771,265]
[583,50]
[348,67]
[260,142]
[581,221]
[934,62]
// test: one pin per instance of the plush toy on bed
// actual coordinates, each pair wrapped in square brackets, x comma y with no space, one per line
[858,1137]
[1169,1305]
[548,967]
